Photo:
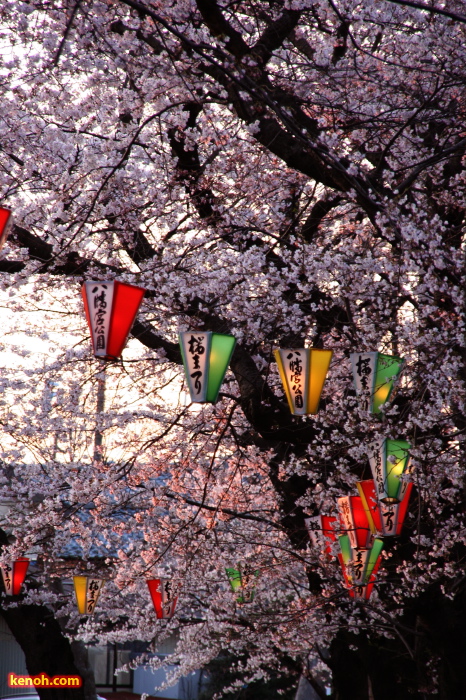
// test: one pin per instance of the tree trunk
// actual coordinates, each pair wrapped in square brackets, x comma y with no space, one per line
[48,651]
[305,691]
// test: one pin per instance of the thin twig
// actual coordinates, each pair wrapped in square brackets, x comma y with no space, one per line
[67,31]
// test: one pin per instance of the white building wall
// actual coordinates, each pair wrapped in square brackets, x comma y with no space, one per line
[146,681]
[11,661]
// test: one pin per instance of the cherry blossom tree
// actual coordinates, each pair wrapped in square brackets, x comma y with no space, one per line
[292,173]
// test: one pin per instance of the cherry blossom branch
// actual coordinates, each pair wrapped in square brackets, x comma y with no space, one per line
[227,511]
[429,8]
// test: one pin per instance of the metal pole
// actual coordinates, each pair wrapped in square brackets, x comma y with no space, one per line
[98,437]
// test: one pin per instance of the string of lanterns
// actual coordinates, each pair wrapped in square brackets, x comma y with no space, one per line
[382,504]
[380,508]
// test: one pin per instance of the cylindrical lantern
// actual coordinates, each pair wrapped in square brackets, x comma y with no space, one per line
[87,590]
[303,372]
[13,575]
[205,357]
[354,520]
[164,601]
[6,222]
[384,519]
[322,531]
[374,377]
[111,308]
[242,581]
[389,460]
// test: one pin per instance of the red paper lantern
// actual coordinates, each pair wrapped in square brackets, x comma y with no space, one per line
[6,222]
[387,520]
[162,597]
[111,308]
[355,521]
[322,531]
[13,575]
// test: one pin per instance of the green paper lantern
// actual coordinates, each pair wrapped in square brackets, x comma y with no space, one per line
[374,377]
[359,564]
[389,460]
[345,548]
[206,357]
[242,581]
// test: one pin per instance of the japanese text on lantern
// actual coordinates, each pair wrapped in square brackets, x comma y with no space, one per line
[295,366]
[93,594]
[100,312]
[168,597]
[388,516]
[359,591]
[364,370]
[345,512]
[377,468]
[246,583]
[357,566]
[196,348]
[7,578]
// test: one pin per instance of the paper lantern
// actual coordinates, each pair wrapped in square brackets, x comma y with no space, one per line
[303,372]
[6,222]
[359,565]
[384,519]
[354,520]
[389,460]
[87,590]
[364,592]
[164,601]
[374,377]
[205,357]
[111,308]
[322,531]
[242,581]
[13,575]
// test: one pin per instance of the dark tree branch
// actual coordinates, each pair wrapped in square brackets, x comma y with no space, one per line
[38,248]
[136,245]
[318,212]
[72,264]
[429,8]
[275,34]
[457,148]
[298,151]
[67,31]
[218,26]
[147,336]
[226,511]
